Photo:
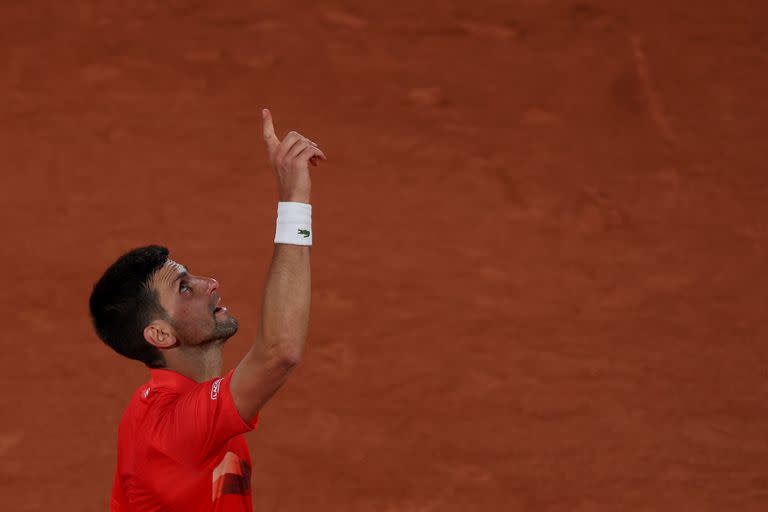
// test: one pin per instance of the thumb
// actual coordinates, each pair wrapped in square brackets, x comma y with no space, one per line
[269,132]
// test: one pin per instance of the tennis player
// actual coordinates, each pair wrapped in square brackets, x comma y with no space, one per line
[180,441]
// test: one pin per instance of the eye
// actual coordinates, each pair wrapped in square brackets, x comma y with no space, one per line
[184,286]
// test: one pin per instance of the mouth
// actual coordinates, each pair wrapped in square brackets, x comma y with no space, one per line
[219,308]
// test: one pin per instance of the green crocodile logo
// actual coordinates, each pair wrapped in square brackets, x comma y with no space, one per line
[304,232]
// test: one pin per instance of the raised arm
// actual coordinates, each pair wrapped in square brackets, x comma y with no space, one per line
[280,339]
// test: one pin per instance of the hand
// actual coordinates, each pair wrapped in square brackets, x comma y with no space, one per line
[290,159]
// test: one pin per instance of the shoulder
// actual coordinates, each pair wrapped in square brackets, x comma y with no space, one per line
[145,400]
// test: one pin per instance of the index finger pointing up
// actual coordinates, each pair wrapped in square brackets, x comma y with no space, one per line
[269,131]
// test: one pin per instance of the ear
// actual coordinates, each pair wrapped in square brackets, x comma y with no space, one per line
[160,334]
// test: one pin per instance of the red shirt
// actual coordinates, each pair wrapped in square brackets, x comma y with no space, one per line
[181,447]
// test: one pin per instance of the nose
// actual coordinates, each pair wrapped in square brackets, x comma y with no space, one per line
[213,285]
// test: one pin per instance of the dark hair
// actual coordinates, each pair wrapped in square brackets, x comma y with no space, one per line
[123,303]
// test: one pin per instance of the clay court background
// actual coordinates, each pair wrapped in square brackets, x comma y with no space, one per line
[540,256]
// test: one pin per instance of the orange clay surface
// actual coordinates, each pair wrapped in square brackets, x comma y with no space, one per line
[539,272]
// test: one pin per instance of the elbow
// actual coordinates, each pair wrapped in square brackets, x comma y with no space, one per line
[289,354]
[284,346]
[289,360]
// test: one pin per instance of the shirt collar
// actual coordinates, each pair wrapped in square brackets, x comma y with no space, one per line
[161,378]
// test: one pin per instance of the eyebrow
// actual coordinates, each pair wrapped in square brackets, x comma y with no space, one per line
[179,276]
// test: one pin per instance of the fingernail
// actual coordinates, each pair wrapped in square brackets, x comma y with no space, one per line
[264,113]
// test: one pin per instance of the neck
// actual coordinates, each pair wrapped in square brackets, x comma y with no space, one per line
[200,363]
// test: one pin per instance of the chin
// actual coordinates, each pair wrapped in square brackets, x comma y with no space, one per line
[225,329]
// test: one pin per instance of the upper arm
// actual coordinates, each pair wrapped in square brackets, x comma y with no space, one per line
[259,375]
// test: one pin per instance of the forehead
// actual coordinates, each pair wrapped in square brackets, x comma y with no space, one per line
[174,267]
[168,273]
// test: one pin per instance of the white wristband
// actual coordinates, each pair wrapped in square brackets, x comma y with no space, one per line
[294,223]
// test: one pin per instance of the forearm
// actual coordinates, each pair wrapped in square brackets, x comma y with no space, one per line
[285,308]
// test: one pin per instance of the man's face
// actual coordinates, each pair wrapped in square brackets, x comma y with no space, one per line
[192,303]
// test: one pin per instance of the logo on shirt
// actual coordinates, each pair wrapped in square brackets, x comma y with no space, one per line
[304,232]
[215,388]
[231,476]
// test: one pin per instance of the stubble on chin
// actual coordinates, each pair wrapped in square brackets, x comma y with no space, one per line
[218,334]
[225,329]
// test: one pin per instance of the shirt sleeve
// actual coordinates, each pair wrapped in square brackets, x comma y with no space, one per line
[193,426]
